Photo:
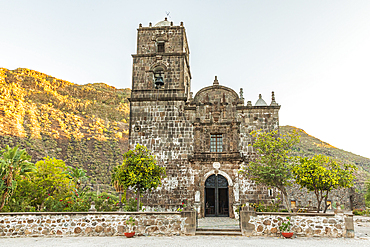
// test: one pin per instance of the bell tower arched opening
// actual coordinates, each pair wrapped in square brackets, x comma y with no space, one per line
[216,198]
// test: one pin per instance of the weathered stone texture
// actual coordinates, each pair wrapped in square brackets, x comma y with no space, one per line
[330,225]
[177,127]
[82,224]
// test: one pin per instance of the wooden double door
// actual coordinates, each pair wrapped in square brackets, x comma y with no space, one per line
[216,196]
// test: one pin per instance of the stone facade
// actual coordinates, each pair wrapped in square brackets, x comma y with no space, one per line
[178,127]
[196,137]
[91,224]
[303,224]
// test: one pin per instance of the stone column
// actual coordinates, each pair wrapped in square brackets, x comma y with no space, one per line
[197,203]
[190,222]
[246,228]
[349,226]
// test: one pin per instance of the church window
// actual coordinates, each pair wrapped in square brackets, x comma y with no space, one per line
[216,143]
[160,46]
[270,192]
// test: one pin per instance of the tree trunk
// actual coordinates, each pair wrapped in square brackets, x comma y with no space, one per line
[138,200]
[318,201]
[3,199]
[120,201]
[326,201]
[287,203]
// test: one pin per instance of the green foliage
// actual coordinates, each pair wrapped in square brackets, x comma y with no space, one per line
[14,164]
[49,116]
[310,146]
[272,167]
[130,222]
[360,212]
[367,193]
[138,171]
[261,207]
[322,174]
[105,202]
[77,175]
[131,205]
[285,225]
[51,179]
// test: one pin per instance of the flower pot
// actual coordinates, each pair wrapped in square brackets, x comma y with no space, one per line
[129,234]
[287,234]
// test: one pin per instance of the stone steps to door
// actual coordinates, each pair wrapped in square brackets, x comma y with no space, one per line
[218,232]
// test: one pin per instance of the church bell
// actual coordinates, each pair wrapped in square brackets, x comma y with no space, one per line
[159,82]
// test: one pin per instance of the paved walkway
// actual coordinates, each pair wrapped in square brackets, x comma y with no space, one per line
[196,241]
[218,223]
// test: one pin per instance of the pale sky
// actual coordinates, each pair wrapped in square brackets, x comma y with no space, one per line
[315,55]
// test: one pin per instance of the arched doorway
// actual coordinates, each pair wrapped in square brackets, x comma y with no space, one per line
[216,198]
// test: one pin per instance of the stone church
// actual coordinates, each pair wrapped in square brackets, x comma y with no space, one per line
[202,140]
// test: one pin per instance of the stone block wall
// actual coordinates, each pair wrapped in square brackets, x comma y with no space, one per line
[303,225]
[91,224]
[349,198]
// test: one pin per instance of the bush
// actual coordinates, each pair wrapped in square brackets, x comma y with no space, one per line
[261,207]
[131,205]
[359,212]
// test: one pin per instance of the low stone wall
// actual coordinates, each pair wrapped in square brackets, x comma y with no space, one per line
[92,224]
[303,224]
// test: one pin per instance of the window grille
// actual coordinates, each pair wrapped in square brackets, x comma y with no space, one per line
[216,143]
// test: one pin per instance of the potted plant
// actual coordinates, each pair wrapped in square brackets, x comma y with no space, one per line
[130,223]
[285,228]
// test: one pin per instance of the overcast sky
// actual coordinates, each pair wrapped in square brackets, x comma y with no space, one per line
[315,55]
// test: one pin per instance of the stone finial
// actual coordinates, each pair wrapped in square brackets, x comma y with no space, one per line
[273,102]
[140,25]
[92,207]
[215,82]
[150,24]
[241,93]
[249,103]
[171,23]
[165,18]
[260,96]
[181,24]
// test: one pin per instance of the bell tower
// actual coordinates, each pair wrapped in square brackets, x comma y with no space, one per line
[161,62]
[160,89]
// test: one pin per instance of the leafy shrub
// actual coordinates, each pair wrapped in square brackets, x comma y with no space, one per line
[261,207]
[359,211]
[285,225]
[131,205]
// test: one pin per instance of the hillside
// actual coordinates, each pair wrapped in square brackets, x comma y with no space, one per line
[310,145]
[85,125]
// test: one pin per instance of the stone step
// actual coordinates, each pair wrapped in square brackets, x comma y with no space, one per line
[218,232]
[218,229]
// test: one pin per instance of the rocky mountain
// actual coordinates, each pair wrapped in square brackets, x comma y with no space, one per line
[310,145]
[86,125]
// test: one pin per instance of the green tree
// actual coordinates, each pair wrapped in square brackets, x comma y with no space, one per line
[14,163]
[138,171]
[367,193]
[322,174]
[272,165]
[51,179]
[77,175]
